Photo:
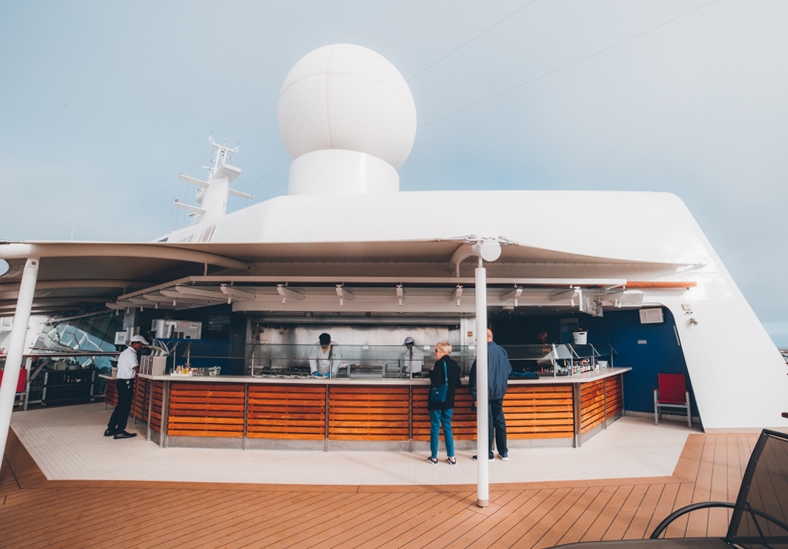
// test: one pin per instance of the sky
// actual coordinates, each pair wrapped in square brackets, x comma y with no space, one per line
[103,103]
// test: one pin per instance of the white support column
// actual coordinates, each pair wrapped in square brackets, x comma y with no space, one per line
[16,348]
[485,249]
[482,426]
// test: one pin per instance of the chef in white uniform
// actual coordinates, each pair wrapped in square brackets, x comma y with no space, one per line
[324,358]
[411,360]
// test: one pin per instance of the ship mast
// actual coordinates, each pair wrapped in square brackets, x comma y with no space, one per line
[212,194]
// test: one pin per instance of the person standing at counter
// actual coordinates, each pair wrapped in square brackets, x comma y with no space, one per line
[541,339]
[498,370]
[445,371]
[128,367]
[324,358]
[545,363]
[411,359]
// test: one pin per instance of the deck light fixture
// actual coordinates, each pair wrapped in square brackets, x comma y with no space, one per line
[573,295]
[236,293]
[286,293]
[514,293]
[342,293]
[200,292]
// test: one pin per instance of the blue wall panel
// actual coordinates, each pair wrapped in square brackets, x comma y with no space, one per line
[647,348]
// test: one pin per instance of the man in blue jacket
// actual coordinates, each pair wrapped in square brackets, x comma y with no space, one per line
[498,370]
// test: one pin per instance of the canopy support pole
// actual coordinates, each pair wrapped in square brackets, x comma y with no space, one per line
[13,363]
[482,398]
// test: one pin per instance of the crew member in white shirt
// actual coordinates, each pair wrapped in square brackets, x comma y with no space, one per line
[128,367]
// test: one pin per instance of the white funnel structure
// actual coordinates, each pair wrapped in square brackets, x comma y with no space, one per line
[348,119]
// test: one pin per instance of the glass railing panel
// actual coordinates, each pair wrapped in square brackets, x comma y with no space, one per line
[364,361]
[383,361]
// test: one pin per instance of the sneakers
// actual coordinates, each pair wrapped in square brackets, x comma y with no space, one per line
[505,456]
[452,460]
[489,458]
[432,460]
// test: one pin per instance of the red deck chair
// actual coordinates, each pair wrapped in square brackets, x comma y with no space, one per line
[21,388]
[672,393]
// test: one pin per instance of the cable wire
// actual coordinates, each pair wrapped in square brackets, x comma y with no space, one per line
[458,48]
[568,65]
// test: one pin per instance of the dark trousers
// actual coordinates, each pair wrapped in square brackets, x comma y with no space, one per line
[496,426]
[120,416]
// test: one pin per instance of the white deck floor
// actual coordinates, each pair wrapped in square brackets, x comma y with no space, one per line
[67,443]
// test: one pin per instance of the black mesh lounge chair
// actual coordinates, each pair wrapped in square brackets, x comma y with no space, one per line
[760,514]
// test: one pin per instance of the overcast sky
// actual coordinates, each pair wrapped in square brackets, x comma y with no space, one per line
[103,103]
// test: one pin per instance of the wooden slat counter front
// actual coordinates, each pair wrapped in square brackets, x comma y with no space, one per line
[341,414]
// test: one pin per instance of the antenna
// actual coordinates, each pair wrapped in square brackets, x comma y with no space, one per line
[212,194]
[222,155]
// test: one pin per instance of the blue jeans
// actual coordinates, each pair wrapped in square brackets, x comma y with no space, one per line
[438,417]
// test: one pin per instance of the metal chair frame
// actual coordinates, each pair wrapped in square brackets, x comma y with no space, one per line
[671,388]
[760,514]
[764,481]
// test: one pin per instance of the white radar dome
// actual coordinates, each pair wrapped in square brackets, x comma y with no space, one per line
[347,97]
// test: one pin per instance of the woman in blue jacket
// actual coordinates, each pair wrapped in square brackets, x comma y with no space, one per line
[445,370]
